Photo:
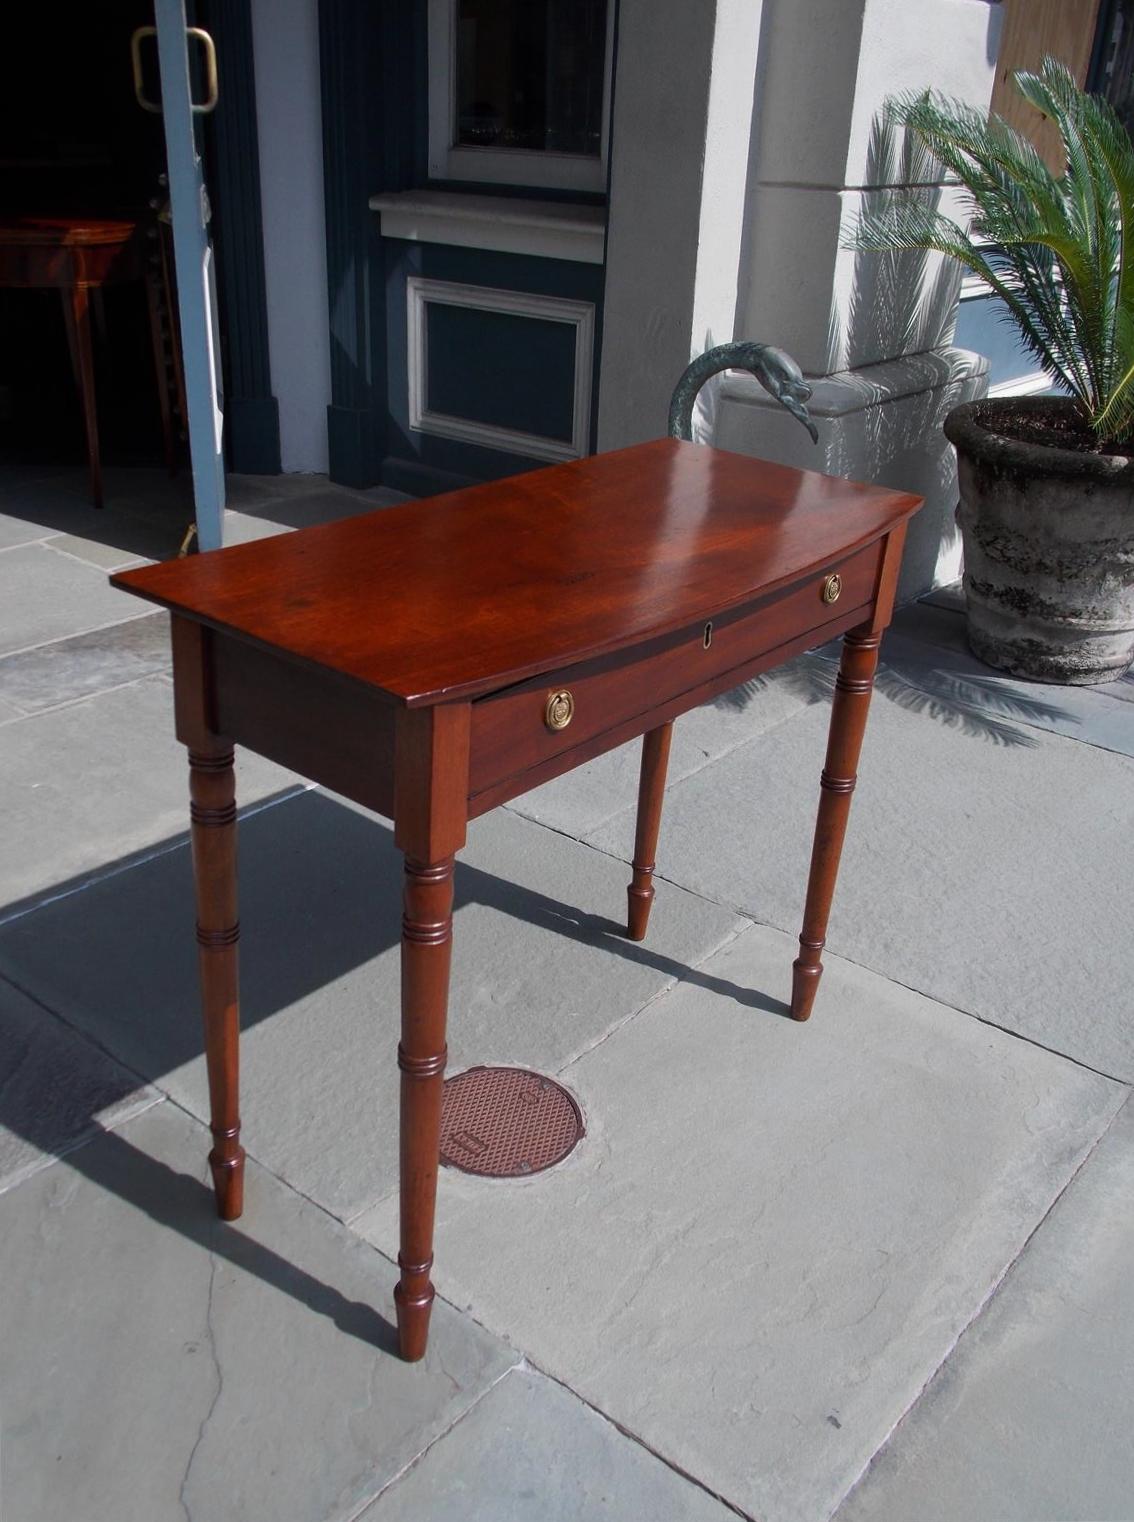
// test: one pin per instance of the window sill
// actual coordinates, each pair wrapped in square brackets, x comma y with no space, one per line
[540,229]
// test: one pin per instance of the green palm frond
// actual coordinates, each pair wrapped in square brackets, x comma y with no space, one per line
[1057,249]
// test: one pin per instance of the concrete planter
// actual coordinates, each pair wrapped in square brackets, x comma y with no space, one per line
[1049,548]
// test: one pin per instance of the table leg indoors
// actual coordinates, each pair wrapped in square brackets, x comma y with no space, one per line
[76,310]
[853,687]
[651,790]
[212,812]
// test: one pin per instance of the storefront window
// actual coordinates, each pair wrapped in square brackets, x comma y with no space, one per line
[530,76]
[519,91]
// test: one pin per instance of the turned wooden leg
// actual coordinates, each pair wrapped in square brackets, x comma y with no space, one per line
[212,811]
[76,310]
[427,940]
[848,724]
[651,789]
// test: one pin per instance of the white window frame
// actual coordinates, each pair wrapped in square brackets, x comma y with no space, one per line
[502,166]
[579,315]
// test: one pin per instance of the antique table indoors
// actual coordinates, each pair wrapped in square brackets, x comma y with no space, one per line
[435,659]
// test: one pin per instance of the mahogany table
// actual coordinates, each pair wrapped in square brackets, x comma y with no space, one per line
[433,660]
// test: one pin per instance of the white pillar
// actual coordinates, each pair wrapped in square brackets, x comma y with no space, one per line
[679,154]
[285,41]
[874,333]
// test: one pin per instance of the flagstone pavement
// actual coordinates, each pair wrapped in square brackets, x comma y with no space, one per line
[873,1268]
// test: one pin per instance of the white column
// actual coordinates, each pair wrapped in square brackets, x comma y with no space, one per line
[285,38]
[682,124]
[875,333]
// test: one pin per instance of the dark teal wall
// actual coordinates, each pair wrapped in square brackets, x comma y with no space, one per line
[251,413]
[372,66]
[501,368]
[516,372]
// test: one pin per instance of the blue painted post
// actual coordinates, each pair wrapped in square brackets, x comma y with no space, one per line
[193,259]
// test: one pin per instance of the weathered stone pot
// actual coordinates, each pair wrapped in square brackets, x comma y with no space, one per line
[1049,548]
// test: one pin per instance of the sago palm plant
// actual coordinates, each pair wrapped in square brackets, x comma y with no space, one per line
[1058,249]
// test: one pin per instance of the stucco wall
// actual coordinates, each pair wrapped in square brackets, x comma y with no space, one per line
[746,140]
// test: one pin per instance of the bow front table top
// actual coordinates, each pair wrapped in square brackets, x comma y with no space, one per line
[438,658]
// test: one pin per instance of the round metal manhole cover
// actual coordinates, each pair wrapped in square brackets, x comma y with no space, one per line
[506,1122]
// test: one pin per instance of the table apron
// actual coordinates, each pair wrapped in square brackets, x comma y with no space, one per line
[341,734]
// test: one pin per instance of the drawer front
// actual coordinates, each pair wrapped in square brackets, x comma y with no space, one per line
[529,724]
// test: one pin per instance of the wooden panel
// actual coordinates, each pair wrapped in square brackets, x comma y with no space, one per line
[460,595]
[509,731]
[333,732]
[1033,29]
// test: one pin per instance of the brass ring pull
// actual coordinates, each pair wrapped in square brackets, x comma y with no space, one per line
[832,587]
[560,710]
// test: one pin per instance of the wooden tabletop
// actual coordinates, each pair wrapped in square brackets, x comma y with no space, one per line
[468,592]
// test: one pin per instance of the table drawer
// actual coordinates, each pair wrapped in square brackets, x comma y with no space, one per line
[539,719]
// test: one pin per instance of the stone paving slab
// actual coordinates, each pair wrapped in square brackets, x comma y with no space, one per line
[17,531]
[147,512]
[322,502]
[952,599]
[85,664]
[772,1234]
[162,1365]
[56,1089]
[8,712]
[540,973]
[1032,1415]
[580,801]
[46,596]
[84,786]
[111,557]
[992,877]
[147,522]
[531,1450]
[34,509]
[928,648]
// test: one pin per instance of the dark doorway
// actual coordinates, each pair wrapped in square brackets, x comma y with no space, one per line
[74,141]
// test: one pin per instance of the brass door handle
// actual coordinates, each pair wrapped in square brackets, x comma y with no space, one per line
[136,62]
[210,101]
[201,108]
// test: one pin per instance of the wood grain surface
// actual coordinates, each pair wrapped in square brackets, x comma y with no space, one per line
[469,592]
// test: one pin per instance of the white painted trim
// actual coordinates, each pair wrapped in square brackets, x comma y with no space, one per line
[501,166]
[543,229]
[1023,385]
[577,314]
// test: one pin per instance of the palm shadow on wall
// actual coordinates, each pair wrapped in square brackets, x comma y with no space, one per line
[899,306]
